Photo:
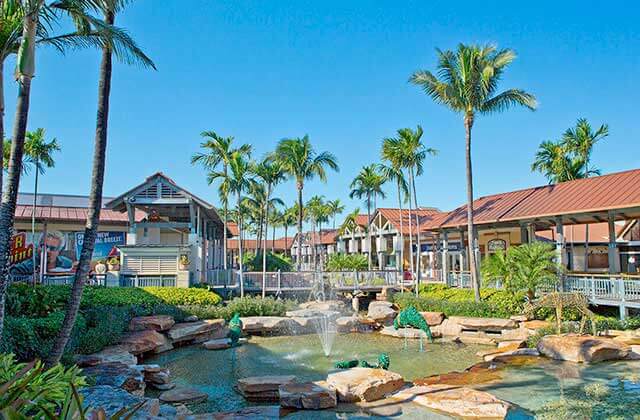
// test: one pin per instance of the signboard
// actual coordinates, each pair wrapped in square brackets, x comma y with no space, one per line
[451,247]
[20,250]
[105,247]
[495,245]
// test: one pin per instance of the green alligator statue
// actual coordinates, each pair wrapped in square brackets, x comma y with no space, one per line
[410,317]
[383,363]
[235,329]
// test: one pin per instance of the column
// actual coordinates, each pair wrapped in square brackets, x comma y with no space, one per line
[445,259]
[612,251]
[463,252]
[524,234]
[560,242]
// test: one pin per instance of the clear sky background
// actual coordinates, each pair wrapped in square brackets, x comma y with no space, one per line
[338,70]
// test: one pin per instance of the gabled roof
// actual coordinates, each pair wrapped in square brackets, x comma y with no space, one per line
[324,237]
[427,216]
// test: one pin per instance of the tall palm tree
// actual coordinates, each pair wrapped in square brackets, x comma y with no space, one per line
[301,162]
[314,211]
[39,153]
[467,81]
[335,208]
[556,163]
[392,171]
[270,172]
[126,50]
[217,152]
[368,185]
[289,217]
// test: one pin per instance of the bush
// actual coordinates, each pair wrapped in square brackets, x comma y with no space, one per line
[35,393]
[246,306]
[275,262]
[342,262]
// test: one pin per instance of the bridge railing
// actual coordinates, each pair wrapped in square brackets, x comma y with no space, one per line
[604,287]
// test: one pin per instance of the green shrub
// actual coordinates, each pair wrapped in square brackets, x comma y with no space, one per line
[35,393]
[343,262]
[275,262]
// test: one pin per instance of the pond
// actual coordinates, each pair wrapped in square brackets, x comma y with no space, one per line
[547,388]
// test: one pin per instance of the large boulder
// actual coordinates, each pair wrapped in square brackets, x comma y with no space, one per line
[364,384]
[327,305]
[457,401]
[183,396]
[263,388]
[484,324]
[354,323]
[112,400]
[515,352]
[109,354]
[155,375]
[313,313]
[381,311]
[308,395]
[268,325]
[198,331]
[152,322]
[582,348]
[139,342]
[433,318]
[117,375]
[217,344]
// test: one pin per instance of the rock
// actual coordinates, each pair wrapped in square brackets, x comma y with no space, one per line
[535,324]
[112,400]
[117,353]
[153,322]
[457,401]
[313,313]
[381,311]
[191,318]
[628,339]
[510,344]
[582,348]
[268,412]
[519,318]
[263,388]
[364,384]
[448,328]
[268,325]
[327,305]
[163,387]
[154,374]
[516,334]
[217,344]
[484,324]
[406,333]
[433,318]
[347,323]
[117,375]
[139,342]
[197,331]
[515,352]
[183,395]
[309,396]
[634,354]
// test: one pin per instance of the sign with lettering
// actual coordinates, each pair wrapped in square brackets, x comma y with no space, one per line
[20,250]
[496,245]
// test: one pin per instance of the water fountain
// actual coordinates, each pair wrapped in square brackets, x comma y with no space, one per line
[326,329]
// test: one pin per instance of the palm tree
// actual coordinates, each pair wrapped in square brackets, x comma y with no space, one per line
[393,172]
[217,152]
[301,162]
[315,212]
[580,141]
[39,154]
[289,217]
[271,173]
[335,208]
[126,50]
[556,163]
[350,222]
[467,81]
[368,185]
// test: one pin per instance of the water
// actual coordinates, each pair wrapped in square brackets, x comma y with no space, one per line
[326,330]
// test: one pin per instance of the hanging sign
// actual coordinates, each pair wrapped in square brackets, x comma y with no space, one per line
[496,245]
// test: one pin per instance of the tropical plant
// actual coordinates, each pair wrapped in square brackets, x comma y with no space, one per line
[125,49]
[271,173]
[368,185]
[317,212]
[335,208]
[467,82]
[301,162]
[217,152]
[343,262]
[556,163]
[522,268]
[289,217]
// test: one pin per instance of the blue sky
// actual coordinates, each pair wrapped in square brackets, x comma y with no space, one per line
[336,70]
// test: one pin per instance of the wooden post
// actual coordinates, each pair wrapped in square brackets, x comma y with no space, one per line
[445,256]
[559,248]
[612,251]
[524,235]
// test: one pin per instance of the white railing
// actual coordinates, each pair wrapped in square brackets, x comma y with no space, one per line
[461,279]
[603,287]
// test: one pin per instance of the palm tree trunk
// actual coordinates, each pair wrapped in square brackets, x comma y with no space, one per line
[273,238]
[419,254]
[240,231]
[25,69]
[33,223]
[313,245]
[1,122]
[264,251]
[95,203]
[299,238]
[586,229]
[401,266]
[468,124]
[286,241]
[369,232]
[411,267]
[226,218]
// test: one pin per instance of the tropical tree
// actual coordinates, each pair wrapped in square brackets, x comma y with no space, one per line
[270,172]
[217,152]
[300,161]
[392,171]
[367,185]
[289,217]
[350,223]
[39,154]
[522,268]
[467,82]
[315,211]
[335,208]
[556,163]
[126,50]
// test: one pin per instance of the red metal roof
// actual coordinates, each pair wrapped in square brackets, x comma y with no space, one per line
[72,214]
[427,217]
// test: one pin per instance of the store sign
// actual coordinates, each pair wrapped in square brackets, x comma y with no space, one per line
[451,247]
[106,244]
[495,245]
[20,250]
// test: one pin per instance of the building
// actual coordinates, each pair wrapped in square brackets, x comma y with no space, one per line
[319,245]
[278,246]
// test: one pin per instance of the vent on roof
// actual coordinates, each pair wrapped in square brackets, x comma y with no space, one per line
[151,192]
[169,192]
